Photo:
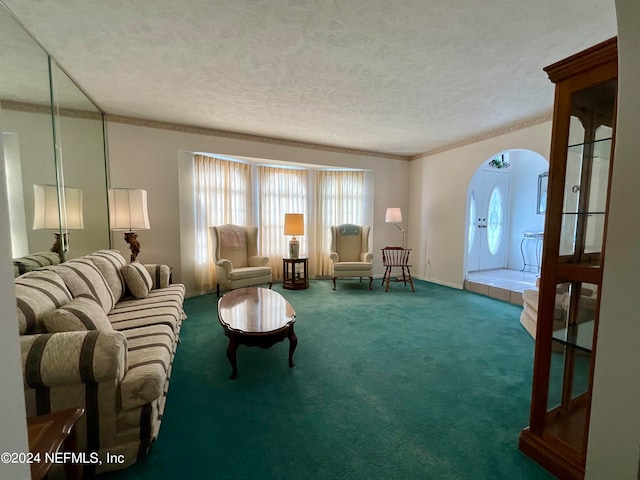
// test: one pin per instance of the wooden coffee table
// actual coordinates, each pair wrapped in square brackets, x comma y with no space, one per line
[256,317]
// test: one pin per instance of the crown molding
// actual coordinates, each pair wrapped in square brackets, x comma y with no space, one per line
[46,109]
[486,136]
[140,122]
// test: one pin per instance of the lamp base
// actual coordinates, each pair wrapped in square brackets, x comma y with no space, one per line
[294,248]
[60,244]
[134,245]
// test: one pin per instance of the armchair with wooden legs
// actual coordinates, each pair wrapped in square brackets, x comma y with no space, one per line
[235,252]
[350,252]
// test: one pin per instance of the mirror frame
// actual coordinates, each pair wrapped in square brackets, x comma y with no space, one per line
[543,184]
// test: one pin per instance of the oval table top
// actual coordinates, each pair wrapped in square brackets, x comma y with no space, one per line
[255,310]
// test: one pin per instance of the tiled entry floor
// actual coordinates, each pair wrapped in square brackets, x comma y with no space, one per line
[503,284]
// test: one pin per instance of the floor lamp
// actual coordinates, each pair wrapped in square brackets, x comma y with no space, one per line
[57,213]
[128,213]
[394,215]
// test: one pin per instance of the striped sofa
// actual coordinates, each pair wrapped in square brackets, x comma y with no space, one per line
[34,260]
[87,342]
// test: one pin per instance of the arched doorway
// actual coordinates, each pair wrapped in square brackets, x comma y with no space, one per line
[504,224]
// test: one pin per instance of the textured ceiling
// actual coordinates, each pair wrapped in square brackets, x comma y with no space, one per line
[402,76]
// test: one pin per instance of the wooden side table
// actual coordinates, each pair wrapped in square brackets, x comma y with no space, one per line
[47,433]
[292,279]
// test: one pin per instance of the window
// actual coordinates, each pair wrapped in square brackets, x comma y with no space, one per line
[494,225]
[222,194]
[227,191]
[281,190]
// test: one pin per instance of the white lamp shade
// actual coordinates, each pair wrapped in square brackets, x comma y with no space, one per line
[128,209]
[294,224]
[394,215]
[47,215]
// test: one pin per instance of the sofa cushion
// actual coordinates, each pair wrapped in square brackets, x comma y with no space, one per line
[81,313]
[172,295]
[249,272]
[82,277]
[352,266]
[110,262]
[137,278]
[150,350]
[37,293]
[143,315]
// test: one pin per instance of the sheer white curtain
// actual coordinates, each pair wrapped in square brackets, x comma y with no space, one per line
[222,194]
[282,190]
[340,198]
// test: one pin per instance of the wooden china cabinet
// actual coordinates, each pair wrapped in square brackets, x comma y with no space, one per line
[580,167]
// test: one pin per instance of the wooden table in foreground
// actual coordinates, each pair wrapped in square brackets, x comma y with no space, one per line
[256,317]
[47,433]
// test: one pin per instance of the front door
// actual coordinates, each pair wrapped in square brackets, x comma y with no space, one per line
[489,199]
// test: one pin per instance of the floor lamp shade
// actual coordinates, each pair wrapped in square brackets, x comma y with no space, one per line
[51,214]
[128,213]
[128,209]
[394,215]
[294,225]
[58,213]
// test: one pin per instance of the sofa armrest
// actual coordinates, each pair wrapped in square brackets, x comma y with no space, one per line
[257,261]
[334,257]
[366,257]
[68,358]
[160,275]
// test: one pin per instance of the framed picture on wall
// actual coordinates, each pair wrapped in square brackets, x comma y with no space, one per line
[543,182]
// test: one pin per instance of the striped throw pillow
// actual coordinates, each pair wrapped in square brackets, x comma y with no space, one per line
[81,313]
[137,278]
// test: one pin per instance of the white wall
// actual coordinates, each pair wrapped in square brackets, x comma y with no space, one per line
[525,168]
[614,434]
[12,408]
[148,158]
[438,192]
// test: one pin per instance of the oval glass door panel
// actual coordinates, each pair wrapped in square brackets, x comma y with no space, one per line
[472,221]
[494,221]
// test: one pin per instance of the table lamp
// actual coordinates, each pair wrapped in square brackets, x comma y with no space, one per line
[294,225]
[58,214]
[128,213]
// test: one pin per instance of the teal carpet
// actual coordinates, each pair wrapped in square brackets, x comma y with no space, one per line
[427,385]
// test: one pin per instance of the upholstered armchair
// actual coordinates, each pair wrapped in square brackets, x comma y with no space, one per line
[235,252]
[350,252]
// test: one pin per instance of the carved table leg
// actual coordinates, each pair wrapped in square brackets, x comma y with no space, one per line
[231,355]
[293,342]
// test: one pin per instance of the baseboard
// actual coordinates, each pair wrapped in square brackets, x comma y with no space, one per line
[439,282]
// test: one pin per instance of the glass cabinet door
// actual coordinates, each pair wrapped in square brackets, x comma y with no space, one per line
[587,175]
[584,185]
[580,167]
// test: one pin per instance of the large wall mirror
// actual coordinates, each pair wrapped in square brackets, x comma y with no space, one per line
[53,146]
